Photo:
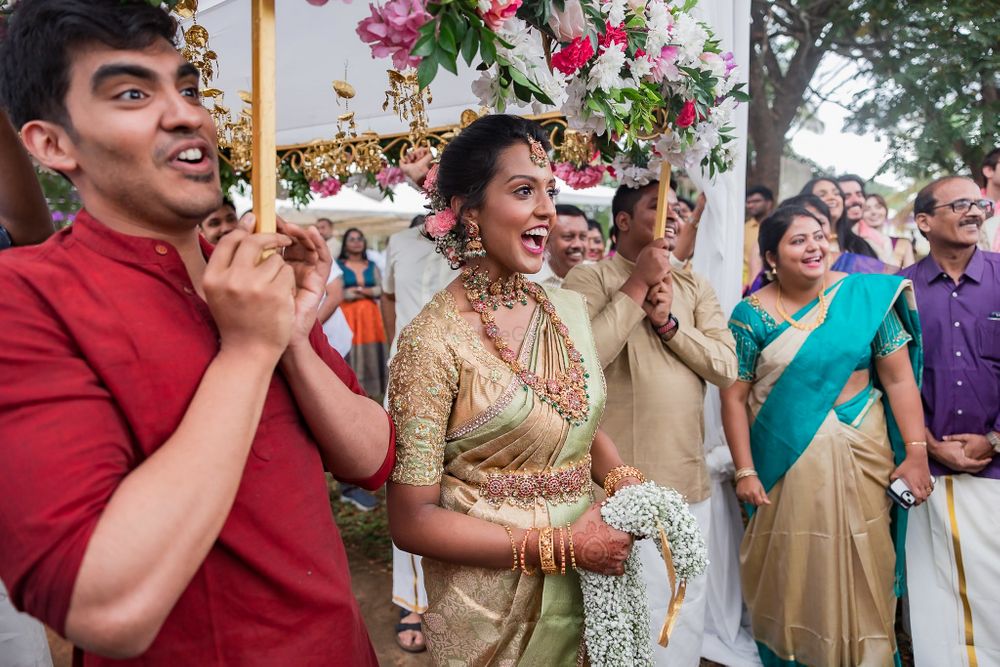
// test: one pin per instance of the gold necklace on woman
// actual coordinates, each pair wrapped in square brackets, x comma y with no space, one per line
[567,391]
[823,308]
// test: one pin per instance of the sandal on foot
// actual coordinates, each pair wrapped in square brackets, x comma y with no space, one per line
[416,646]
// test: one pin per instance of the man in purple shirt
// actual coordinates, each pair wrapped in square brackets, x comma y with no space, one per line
[953,540]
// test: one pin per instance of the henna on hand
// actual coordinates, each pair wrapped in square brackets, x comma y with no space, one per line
[599,550]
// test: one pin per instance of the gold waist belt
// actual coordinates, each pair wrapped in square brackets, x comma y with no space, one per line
[559,485]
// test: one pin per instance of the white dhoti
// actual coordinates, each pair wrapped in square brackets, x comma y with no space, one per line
[953,574]
[22,638]
[408,581]
[684,649]
[728,639]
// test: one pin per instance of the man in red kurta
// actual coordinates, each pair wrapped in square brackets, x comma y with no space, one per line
[167,409]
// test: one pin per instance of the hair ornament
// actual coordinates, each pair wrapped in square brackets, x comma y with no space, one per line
[538,155]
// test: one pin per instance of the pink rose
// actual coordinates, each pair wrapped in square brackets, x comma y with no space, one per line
[389,176]
[439,224]
[573,56]
[665,67]
[431,179]
[580,178]
[687,115]
[499,12]
[392,30]
[568,23]
[328,187]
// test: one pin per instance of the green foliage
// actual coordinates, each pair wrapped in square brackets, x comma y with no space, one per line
[935,71]
[60,194]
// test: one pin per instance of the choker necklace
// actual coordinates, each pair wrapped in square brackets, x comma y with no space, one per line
[567,391]
[818,322]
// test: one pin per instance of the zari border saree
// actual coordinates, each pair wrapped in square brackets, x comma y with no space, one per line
[819,563]
[500,454]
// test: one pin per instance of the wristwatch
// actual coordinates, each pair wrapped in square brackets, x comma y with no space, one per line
[994,440]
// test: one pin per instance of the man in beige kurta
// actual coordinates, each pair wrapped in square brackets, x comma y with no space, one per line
[656,382]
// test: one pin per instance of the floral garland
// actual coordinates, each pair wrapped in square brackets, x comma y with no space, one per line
[616,614]
[620,69]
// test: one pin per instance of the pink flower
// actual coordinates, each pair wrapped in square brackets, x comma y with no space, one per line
[328,187]
[687,115]
[392,30]
[579,178]
[730,61]
[573,56]
[499,12]
[665,67]
[439,224]
[568,23]
[431,179]
[389,176]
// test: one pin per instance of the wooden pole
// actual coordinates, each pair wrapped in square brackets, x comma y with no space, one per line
[661,200]
[262,178]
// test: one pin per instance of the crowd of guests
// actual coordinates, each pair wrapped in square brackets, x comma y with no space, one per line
[172,396]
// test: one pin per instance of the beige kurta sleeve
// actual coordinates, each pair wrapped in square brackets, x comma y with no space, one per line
[612,319]
[706,345]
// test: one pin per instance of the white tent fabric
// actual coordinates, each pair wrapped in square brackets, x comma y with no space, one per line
[719,257]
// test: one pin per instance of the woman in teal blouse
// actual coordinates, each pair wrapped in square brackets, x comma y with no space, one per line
[827,384]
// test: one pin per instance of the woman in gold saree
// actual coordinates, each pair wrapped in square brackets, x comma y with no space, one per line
[496,392]
[815,447]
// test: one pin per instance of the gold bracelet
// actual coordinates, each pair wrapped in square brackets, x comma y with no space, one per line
[572,553]
[922,443]
[546,551]
[562,551]
[513,547]
[524,546]
[616,475]
[743,473]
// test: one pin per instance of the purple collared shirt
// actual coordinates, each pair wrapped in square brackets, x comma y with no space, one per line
[961,330]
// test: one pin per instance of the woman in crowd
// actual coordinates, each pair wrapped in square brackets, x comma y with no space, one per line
[843,239]
[595,241]
[874,228]
[496,392]
[845,262]
[827,371]
[362,288]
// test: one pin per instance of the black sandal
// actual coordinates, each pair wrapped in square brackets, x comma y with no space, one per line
[416,647]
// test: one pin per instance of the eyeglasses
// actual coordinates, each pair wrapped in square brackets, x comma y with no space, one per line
[963,205]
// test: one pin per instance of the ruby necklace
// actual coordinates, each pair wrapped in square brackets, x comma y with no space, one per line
[567,391]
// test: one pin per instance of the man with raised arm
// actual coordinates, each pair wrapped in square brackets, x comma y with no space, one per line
[168,410]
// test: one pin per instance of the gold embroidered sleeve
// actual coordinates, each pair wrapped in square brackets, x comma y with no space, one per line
[423,381]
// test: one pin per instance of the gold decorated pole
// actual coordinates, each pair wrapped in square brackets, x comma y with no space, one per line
[262,178]
[661,200]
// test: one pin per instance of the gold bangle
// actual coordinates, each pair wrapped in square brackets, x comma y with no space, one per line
[743,473]
[513,547]
[546,552]
[616,476]
[572,552]
[922,443]
[562,551]
[524,546]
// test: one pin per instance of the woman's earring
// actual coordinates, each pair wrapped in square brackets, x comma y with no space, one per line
[771,273]
[474,245]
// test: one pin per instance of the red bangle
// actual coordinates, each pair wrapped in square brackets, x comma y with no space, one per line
[665,329]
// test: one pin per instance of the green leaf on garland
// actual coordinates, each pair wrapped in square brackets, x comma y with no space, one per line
[470,44]
[427,70]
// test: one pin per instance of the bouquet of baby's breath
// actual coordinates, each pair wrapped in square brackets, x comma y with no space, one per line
[615,609]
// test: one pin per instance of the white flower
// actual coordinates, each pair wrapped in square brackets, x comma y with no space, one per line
[615,611]
[659,21]
[614,10]
[484,5]
[640,68]
[579,116]
[606,72]
[690,36]
[633,176]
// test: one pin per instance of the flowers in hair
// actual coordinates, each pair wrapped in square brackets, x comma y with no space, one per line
[438,225]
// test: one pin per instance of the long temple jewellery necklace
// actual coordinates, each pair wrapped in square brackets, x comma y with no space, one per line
[567,391]
[823,307]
